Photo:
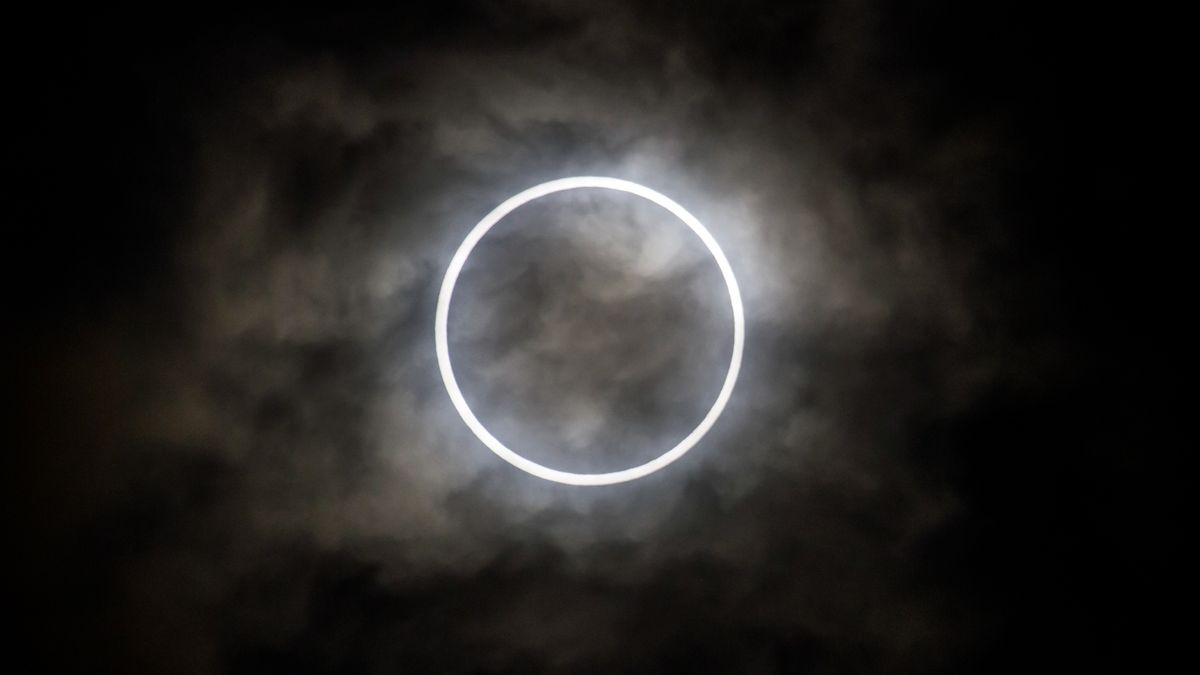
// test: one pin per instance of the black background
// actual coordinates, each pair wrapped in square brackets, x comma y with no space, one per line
[1072,488]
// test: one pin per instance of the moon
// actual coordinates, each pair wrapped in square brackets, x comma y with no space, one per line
[447,369]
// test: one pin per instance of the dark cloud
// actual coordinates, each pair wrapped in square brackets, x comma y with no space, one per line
[241,458]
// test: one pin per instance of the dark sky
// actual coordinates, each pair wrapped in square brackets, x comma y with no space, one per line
[950,449]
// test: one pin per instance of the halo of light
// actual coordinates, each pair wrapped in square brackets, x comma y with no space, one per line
[443,312]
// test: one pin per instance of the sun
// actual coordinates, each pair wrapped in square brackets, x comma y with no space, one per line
[443,312]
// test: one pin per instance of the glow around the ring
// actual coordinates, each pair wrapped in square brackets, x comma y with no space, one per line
[443,313]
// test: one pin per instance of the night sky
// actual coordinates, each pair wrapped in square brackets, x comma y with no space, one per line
[953,446]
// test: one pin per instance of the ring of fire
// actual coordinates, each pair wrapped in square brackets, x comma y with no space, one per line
[443,312]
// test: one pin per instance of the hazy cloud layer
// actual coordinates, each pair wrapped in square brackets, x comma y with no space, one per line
[313,501]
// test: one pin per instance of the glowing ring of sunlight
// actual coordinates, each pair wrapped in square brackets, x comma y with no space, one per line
[443,313]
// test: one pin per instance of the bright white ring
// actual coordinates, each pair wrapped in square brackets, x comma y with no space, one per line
[443,313]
